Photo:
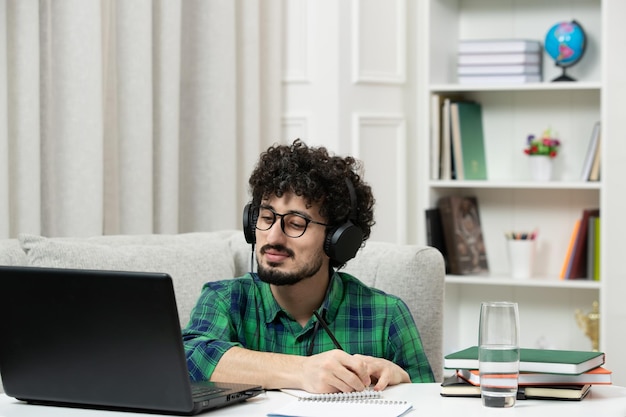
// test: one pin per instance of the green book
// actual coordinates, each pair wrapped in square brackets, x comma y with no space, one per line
[591,247]
[596,266]
[470,119]
[534,360]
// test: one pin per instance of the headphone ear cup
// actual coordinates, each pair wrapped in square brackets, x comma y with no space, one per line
[250,216]
[343,242]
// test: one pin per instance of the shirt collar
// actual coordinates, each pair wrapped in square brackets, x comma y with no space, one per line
[328,309]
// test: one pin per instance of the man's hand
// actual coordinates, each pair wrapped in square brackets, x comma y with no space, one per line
[338,371]
[384,372]
[335,371]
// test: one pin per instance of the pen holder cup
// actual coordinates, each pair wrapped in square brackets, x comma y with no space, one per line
[521,257]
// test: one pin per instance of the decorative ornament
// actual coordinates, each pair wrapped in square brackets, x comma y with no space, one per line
[565,43]
[590,324]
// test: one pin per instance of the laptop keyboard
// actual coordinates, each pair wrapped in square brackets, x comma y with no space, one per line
[203,390]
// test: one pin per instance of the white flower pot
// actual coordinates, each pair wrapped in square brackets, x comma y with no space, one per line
[540,167]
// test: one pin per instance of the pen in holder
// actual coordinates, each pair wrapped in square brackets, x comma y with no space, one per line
[521,250]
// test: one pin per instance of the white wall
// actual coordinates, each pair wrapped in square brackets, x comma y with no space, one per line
[347,80]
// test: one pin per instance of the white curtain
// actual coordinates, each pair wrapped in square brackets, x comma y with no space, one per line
[127,117]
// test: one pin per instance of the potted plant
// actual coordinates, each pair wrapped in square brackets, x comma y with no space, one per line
[542,151]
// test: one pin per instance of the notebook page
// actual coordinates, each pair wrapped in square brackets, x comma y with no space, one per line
[378,407]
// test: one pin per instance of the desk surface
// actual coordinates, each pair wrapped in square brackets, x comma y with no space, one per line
[605,400]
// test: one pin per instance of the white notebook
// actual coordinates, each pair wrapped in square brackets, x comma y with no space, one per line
[366,403]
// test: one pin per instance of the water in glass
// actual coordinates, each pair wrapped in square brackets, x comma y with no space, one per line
[498,375]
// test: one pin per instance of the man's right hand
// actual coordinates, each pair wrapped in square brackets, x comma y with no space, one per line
[334,371]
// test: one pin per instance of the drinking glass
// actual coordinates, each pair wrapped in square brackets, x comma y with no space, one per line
[498,353]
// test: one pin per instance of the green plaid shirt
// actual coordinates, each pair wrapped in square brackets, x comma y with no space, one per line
[243,312]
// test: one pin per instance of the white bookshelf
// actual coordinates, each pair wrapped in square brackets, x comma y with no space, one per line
[509,199]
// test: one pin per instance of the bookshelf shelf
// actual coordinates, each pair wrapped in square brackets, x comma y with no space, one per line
[545,86]
[531,282]
[528,185]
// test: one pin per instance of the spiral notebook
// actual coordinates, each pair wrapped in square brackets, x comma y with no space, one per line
[366,403]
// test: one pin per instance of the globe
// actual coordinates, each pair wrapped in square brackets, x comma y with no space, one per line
[565,43]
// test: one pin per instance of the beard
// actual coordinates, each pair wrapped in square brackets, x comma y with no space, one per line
[271,275]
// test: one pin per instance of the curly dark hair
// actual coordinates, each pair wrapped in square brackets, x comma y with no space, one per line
[318,176]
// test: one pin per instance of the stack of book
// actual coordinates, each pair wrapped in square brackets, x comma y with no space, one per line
[547,374]
[511,61]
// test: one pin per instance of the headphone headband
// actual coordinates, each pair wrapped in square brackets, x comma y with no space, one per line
[353,202]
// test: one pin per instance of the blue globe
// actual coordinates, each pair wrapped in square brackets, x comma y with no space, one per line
[565,43]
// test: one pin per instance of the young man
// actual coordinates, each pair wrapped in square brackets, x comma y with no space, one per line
[298,323]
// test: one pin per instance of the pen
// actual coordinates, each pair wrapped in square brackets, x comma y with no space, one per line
[325,326]
[521,235]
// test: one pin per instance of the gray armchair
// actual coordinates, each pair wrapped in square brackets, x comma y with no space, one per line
[415,274]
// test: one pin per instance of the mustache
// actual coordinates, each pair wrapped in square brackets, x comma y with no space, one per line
[278,248]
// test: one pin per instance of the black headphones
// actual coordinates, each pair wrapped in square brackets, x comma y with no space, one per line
[341,242]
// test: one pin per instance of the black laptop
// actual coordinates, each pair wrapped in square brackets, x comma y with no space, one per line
[99,339]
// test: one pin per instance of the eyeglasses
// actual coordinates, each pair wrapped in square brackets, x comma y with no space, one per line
[292,224]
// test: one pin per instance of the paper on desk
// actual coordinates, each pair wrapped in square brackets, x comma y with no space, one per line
[334,396]
[367,407]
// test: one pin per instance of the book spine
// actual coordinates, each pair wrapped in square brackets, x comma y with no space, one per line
[594,175]
[435,137]
[591,247]
[499,69]
[434,234]
[447,224]
[499,46]
[462,232]
[499,59]
[446,145]
[579,257]
[457,150]
[570,251]
[472,140]
[596,266]
[591,152]
[502,79]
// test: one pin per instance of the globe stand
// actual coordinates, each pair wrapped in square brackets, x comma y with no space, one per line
[563,76]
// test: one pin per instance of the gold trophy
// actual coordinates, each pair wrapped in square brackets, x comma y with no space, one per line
[590,324]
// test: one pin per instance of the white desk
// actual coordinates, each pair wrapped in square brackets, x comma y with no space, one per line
[602,400]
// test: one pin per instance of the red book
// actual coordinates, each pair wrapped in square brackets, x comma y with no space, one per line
[599,375]
[579,256]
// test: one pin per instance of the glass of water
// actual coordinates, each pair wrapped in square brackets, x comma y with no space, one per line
[498,353]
